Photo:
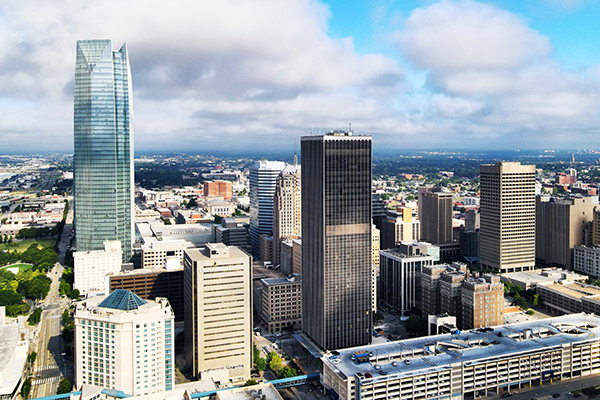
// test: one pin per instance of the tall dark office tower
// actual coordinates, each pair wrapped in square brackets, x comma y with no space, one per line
[436,216]
[103,156]
[336,239]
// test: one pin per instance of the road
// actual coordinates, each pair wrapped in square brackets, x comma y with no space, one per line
[49,367]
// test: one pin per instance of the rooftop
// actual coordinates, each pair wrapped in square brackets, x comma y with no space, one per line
[122,300]
[413,356]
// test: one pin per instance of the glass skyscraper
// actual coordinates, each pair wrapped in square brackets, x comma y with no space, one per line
[103,156]
[336,239]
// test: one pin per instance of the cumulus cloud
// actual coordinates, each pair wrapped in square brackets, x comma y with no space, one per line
[246,58]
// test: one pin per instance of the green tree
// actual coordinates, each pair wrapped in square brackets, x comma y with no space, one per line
[536,300]
[64,387]
[416,325]
[26,388]
[218,219]
[255,353]
[192,203]
[276,363]
[251,382]
[35,316]
[520,301]
[287,372]
[378,318]
[31,357]
[260,364]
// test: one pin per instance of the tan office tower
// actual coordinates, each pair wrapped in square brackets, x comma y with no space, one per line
[218,313]
[436,216]
[507,217]
[286,208]
[482,302]
[562,224]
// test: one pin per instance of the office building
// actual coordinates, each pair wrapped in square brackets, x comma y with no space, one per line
[287,222]
[595,235]
[431,279]
[336,239]
[218,313]
[378,210]
[167,255]
[103,154]
[263,181]
[562,224]
[399,226]
[451,284]
[218,189]
[376,246]
[297,256]
[482,302]
[400,276]
[282,303]
[232,233]
[567,297]
[507,234]
[466,365]
[91,267]
[436,216]
[150,284]
[472,219]
[587,260]
[125,343]
[469,245]
[532,279]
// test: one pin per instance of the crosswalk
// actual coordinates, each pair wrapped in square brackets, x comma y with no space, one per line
[45,368]
[53,379]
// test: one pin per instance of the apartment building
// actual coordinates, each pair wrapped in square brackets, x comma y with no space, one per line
[482,302]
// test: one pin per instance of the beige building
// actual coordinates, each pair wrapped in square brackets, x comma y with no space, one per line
[507,234]
[169,255]
[562,224]
[595,239]
[126,343]
[282,303]
[399,226]
[218,313]
[376,239]
[297,256]
[91,267]
[287,207]
[482,302]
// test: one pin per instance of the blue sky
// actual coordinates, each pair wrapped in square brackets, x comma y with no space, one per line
[252,74]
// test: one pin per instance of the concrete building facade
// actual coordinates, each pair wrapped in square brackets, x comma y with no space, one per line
[482,302]
[507,234]
[218,313]
[91,267]
[436,216]
[399,226]
[282,303]
[287,207]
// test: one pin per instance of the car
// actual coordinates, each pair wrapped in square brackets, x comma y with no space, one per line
[577,395]
[368,375]
[332,357]
[394,363]
[505,395]
[556,395]
[382,373]
[336,361]
[377,367]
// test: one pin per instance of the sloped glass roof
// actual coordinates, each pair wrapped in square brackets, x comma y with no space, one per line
[124,300]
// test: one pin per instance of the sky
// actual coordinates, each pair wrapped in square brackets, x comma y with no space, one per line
[259,74]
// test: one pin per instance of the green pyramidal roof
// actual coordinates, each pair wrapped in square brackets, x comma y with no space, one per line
[122,300]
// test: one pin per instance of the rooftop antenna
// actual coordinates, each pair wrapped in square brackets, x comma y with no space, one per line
[295,160]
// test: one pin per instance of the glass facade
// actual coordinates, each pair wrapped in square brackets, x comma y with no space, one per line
[336,239]
[103,156]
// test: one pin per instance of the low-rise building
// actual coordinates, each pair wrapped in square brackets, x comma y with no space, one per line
[91,267]
[532,279]
[282,303]
[480,363]
[567,297]
[169,254]
[587,260]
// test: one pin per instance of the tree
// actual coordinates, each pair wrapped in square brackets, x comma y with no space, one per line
[35,316]
[416,325]
[276,363]
[26,388]
[536,300]
[192,203]
[260,364]
[31,357]
[251,382]
[218,218]
[287,372]
[378,318]
[520,301]
[64,387]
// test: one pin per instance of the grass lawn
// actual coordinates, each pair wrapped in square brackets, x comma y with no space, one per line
[22,245]
[22,267]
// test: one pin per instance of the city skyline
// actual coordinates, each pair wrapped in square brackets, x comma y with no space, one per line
[418,74]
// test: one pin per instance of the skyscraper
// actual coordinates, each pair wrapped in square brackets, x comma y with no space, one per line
[436,216]
[286,209]
[103,156]
[263,178]
[507,233]
[336,239]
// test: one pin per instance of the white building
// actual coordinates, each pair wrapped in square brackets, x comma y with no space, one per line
[587,260]
[126,343]
[91,267]
[13,356]
[167,254]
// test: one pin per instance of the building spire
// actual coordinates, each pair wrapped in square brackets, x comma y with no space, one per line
[295,159]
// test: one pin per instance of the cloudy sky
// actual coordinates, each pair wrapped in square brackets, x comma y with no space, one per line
[253,74]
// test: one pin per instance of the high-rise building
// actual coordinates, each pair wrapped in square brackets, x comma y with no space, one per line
[562,224]
[125,343]
[287,223]
[218,313]
[336,239]
[507,234]
[436,216]
[103,154]
[399,226]
[482,302]
[218,188]
[263,180]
